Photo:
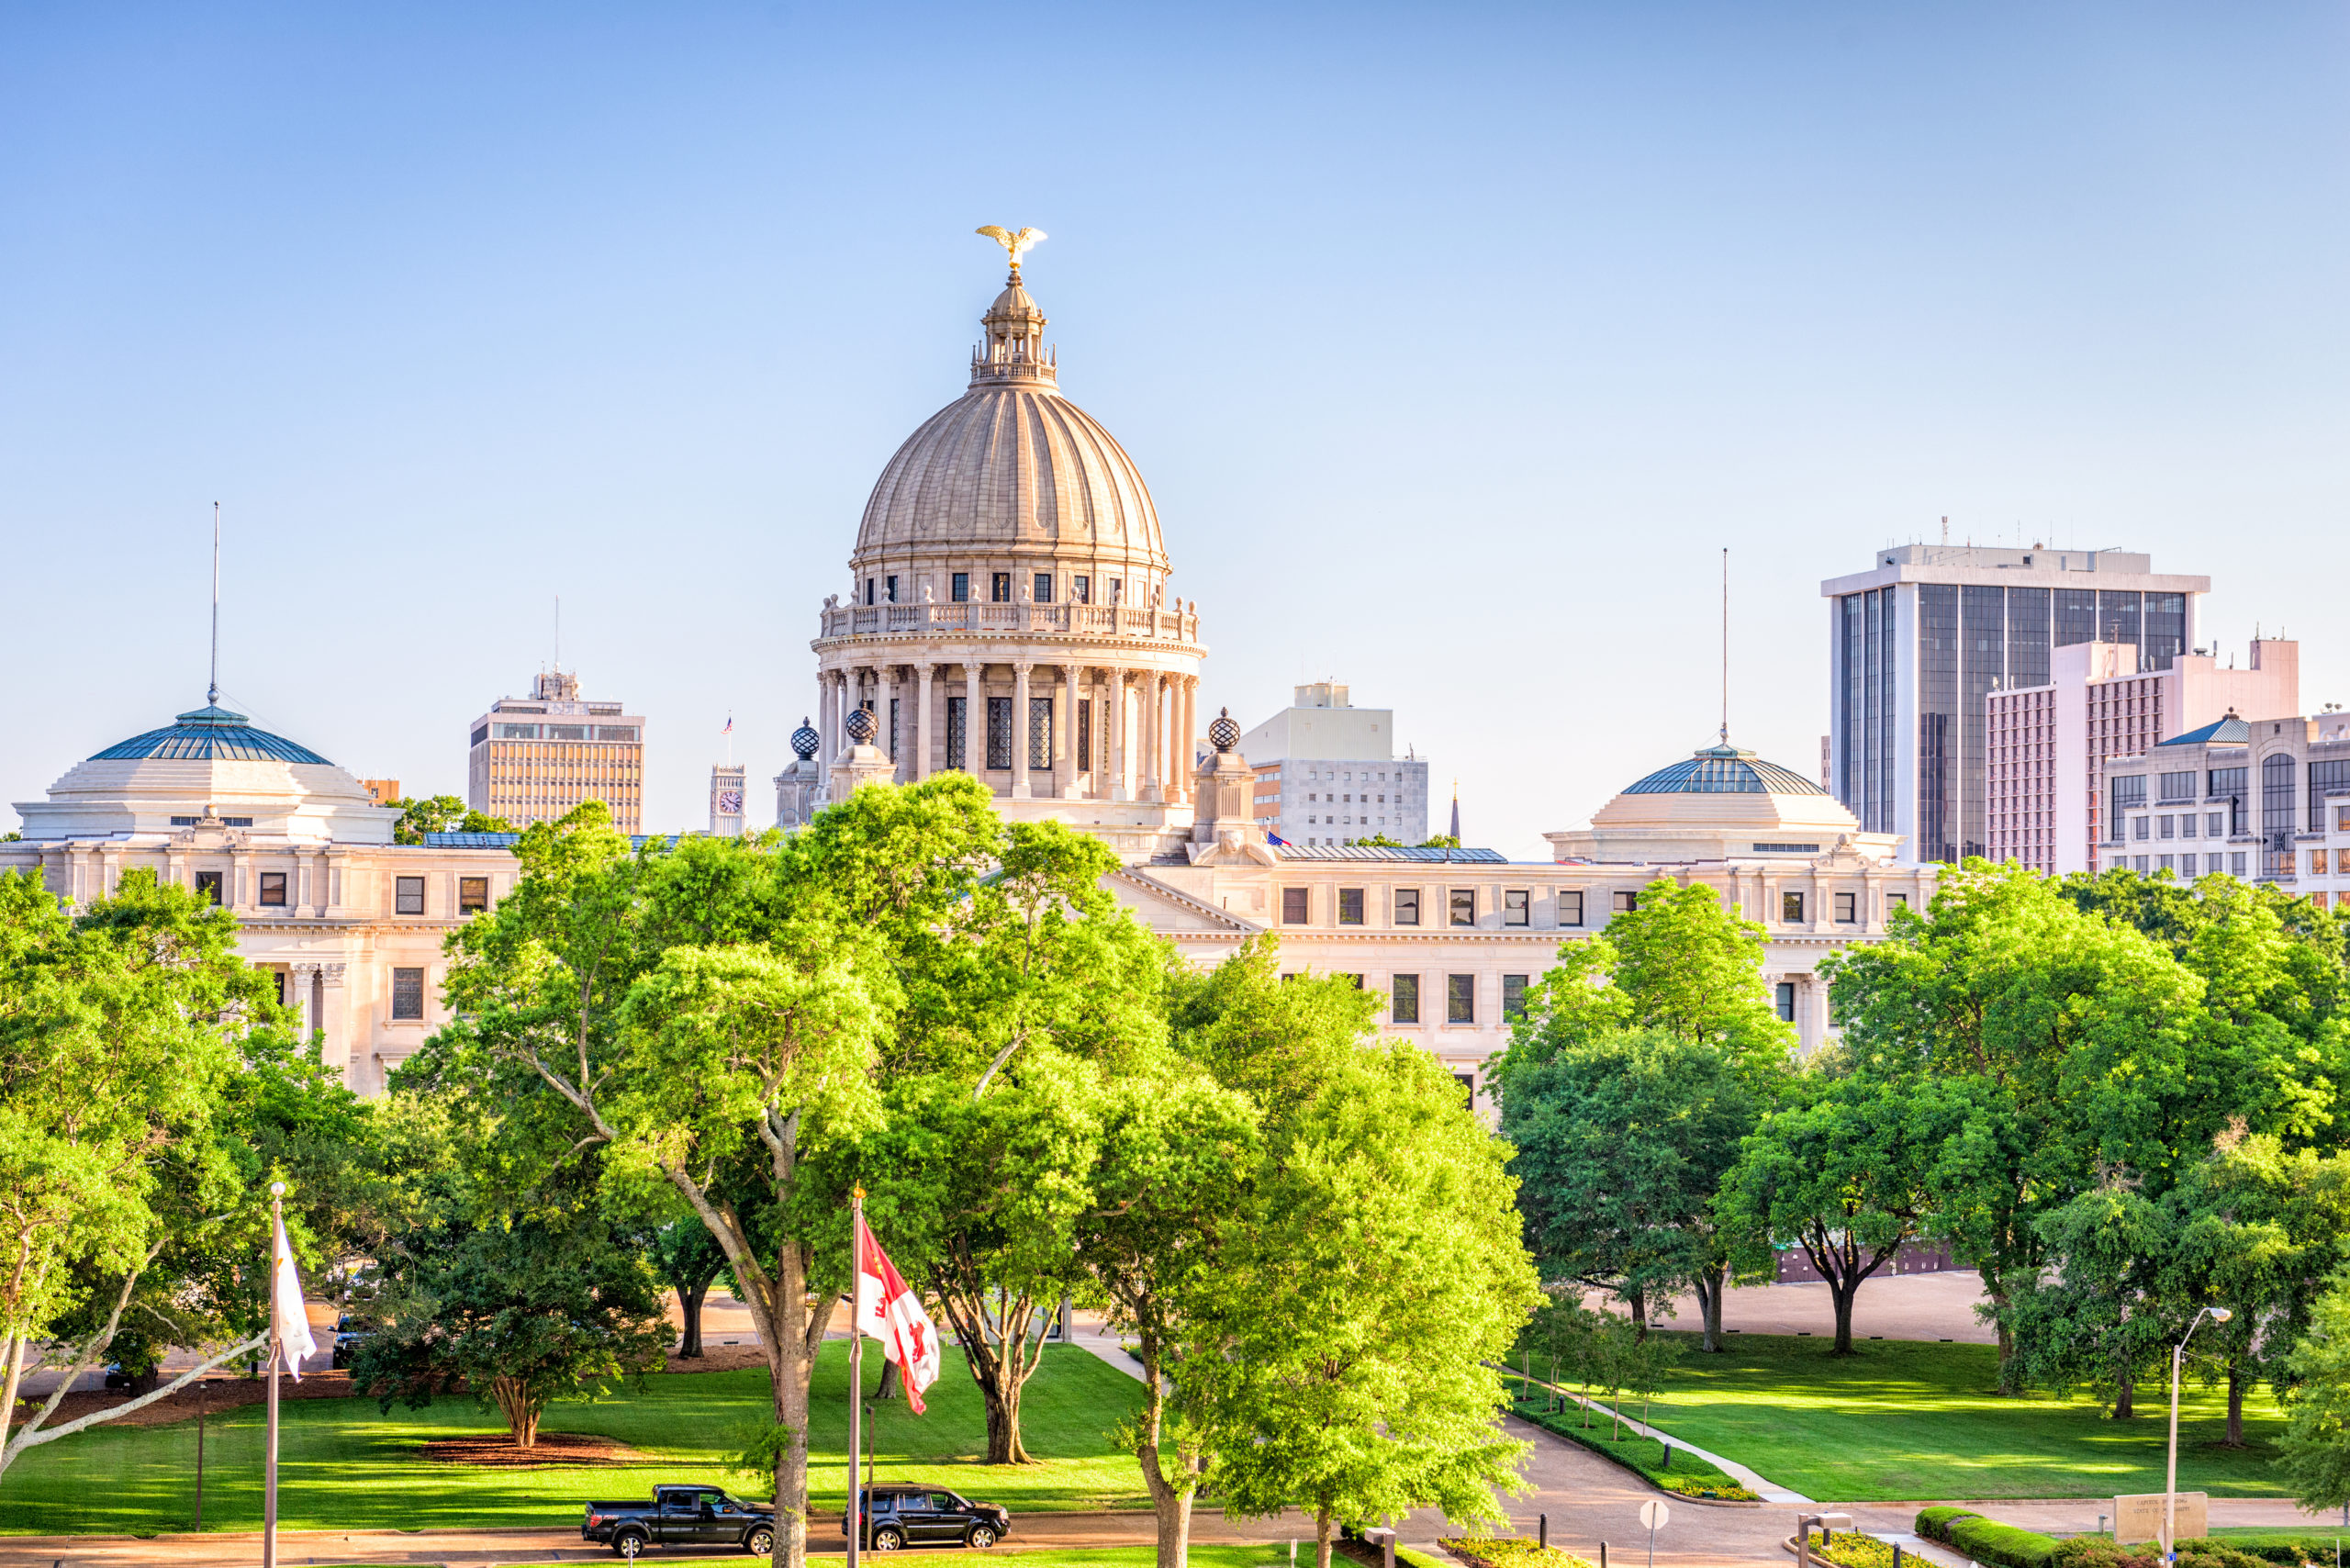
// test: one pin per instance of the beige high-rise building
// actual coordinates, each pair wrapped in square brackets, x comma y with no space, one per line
[534,759]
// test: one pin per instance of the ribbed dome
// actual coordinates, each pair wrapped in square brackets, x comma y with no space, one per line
[1012,466]
[207,734]
[1725,770]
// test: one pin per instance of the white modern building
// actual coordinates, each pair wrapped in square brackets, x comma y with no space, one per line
[2046,747]
[2260,799]
[1919,642]
[534,758]
[1327,772]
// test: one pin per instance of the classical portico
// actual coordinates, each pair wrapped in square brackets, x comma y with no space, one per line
[1008,612]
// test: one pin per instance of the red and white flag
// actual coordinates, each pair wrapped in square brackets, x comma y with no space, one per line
[888,1311]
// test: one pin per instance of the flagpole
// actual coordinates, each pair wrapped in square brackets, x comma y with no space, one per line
[855,1372]
[269,1493]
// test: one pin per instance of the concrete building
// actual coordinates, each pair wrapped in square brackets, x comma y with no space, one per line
[350,922]
[2046,746]
[382,791]
[1327,772]
[2260,799]
[1007,611]
[534,758]
[1919,642]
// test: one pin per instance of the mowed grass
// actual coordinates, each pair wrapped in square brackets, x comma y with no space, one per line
[1902,1420]
[342,1464]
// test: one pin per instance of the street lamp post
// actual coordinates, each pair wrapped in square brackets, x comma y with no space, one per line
[2170,1479]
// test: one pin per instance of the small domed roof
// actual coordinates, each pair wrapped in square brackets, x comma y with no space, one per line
[1725,770]
[206,734]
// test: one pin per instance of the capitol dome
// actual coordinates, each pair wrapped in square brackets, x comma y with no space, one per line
[1013,470]
[208,769]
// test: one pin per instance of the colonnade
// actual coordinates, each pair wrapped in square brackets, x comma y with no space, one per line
[1138,736]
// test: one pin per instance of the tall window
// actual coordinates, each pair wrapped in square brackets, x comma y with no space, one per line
[1405,990]
[2326,778]
[1791,909]
[869,590]
[208,886]
[1464,906]
[958,588]
[408,895]
[999,587]
[1517,906]
[890,589]
[1044,588]
[1084,735]
[408,994]
[1461,998]
[1351,906]
[1295,903]
[1787,1000]
[1848,909]
[1513,998]
[273,889]
[894,753]
[2177,786]
[2277,816]
[1626,902]
[1939,717]
[958,721]
[1571,906]
[998,732]
[1408,906]
[1081,590]
[473,894]
[1040,732]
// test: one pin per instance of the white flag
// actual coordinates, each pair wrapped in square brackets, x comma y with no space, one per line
[293,1324]
[888,1311]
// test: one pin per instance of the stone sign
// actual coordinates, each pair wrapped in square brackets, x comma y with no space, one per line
[2140,1518]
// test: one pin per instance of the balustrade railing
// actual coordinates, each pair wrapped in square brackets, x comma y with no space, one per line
[1094,620]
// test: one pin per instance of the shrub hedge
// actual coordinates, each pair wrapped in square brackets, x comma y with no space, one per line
[1934,1523]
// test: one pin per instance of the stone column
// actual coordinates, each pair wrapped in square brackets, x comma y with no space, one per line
[335,1022]
[1020,730]
[825,687]
[1154,734]
[885,691]
[299,978]
[1186,689]
[975,723]
[1065,741]
[922,743]
[1116,758]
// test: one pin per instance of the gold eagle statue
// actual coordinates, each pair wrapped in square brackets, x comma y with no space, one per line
[1015,241]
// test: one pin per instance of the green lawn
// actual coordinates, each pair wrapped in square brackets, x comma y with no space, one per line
[342,1464]
[1902,1420]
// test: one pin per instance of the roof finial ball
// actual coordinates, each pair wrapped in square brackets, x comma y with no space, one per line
[861,725]
[805,740]
[1222,733]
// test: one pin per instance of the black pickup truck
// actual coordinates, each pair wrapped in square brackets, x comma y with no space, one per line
[681,1516]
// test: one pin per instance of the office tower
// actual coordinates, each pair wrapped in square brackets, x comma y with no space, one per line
[1327,772]
[534,759]
[1919,642]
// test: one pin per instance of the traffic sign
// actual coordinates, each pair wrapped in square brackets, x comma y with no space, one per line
[1654,1514]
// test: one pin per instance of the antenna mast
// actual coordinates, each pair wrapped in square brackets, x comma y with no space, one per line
[212,691]
[1725,645]
[558,634]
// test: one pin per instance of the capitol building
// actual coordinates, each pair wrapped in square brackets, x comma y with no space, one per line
[1009,613]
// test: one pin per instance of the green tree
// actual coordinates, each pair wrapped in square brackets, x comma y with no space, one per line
[522,1309]
[689,1261]
[1377,1270]
[441,814]
[713,1015]
[2315,1450]
[123,1032]
[2099,1317]
[1843,1176]
[1621,1143]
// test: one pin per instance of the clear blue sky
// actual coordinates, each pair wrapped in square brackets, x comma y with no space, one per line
[1454,341]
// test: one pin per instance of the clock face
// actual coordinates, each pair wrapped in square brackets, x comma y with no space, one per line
[729,802]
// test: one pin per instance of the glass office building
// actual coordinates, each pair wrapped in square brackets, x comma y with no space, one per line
[1919,643]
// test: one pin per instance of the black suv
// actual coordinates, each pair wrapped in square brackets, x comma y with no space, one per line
[925,1515]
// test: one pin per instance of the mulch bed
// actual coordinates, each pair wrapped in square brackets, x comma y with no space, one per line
[497,1450]
[214,1393]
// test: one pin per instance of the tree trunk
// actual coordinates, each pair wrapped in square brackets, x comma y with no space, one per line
[893,1382]
[1998,1300]
[791,1361]
[514,1398]
[1322,1537]
[1638,1300]
[999,1393]
[689,1308]
[2235,1406]
[1170,1504]
[2125,1406]
[1712,1281]
[1842,1292]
